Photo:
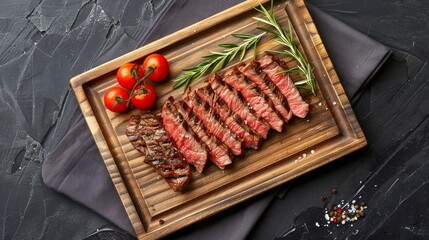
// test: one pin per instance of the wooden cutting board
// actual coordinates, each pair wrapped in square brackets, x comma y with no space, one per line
[328,132]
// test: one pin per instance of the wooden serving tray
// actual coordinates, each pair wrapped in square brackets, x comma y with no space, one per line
[328,132]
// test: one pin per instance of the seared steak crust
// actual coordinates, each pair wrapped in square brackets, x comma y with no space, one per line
[183,136]
[232,120]
[272,67]
[218,152]
[254,72]
[237,105]
[212,122]
[254,97]
[147,134]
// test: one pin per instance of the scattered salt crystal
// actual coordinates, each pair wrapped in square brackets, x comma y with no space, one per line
[343,222]
[335,103]
[299,139]
[320,104]
[299,158]
[317,224]
[296,160]
[313,152]
[353,201]
[304,155]
[326,216]
[326,109]
[308,120]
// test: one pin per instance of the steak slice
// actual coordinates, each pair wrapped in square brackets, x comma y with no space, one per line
[234,101]
[254,72]
[254,98]
[218,152]
[147,134]
[232,120]
[274,70]
[212,122]
[183,136]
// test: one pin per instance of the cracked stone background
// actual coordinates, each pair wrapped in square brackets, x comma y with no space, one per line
[43,43]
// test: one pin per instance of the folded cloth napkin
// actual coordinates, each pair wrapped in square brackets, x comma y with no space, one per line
[75,168]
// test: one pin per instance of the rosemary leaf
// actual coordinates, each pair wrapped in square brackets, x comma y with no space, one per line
[217,59]
[287,40]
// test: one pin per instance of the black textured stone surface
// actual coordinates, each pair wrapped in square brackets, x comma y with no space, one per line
[44,43]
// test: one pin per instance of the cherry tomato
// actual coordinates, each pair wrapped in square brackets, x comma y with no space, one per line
[115,99]
[125,76]
[160,64]
[145,98]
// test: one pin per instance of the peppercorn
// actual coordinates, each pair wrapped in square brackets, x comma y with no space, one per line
[363,204]
[323,198]
[331,213]
[161,221]
[334,191]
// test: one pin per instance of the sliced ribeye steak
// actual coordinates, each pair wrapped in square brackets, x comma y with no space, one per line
[147,134]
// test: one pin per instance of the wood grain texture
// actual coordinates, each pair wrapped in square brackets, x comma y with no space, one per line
[328,132]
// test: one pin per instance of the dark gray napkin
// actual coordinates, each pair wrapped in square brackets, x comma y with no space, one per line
[75,167]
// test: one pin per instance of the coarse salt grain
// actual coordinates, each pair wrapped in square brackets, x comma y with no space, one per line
[320,104]
[313,152]
[317,224]
[304,155]
[335,103]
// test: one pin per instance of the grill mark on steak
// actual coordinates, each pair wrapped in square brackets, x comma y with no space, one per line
[274,70]
[212,122]
[184,137]
[235,102]
[232,120]
[254,97]
[218,152]
[254,73]
[147,134]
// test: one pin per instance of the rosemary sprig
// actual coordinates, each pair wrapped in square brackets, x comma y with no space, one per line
[291,50]
[216,59]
